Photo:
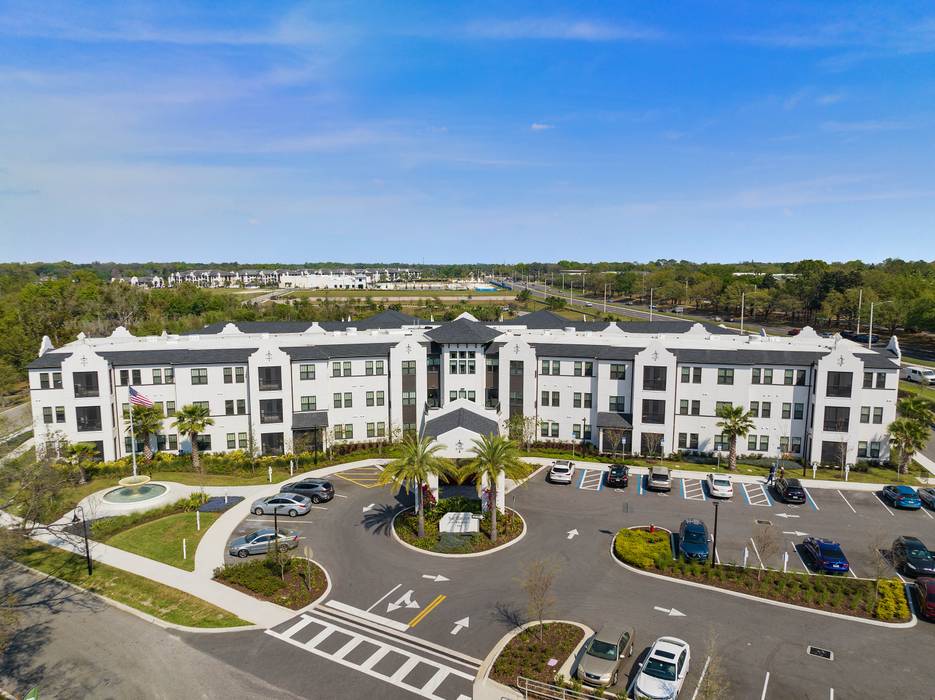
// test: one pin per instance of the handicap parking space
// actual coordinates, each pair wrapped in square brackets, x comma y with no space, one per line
[590,479]
[755,494]
[694,489]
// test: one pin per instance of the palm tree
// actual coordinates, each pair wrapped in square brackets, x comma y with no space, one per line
[412,470]
[917,408]
[147,421]
[735,423]
[191,420]
[80,454]
[493,455]
[907,436]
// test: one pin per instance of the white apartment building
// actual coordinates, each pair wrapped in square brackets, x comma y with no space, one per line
[637,387]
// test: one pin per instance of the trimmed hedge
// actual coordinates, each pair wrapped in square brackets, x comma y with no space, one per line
[106,528]
[643,549]
[892,605]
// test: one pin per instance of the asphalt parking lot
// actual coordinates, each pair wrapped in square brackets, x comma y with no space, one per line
[424,623]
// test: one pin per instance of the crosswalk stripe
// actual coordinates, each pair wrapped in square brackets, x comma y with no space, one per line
[320,637]
[349,647]
[375,658]
[435,681]
[404,670]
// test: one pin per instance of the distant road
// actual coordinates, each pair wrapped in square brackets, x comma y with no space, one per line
[421,297]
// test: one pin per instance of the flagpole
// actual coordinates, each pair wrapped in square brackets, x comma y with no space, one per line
[132,439]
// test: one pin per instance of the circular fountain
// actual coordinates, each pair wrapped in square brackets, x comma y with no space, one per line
[134,489]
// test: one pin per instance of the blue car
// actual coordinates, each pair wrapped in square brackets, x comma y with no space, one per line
[826,555]
[902,496]
[693,540]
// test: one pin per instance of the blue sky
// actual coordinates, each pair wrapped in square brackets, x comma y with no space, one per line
[442,131]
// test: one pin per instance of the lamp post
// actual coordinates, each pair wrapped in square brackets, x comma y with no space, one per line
[651,304]
[870,333]
[714,550]
[87,547]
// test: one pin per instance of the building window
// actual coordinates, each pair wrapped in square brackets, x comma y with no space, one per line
[576,400]
[47,414]
[787,410]
[270,378]
[271,411]
[59,414]
[409,367]
[157,376]
[335,372]
[172,441]
[229,407]
[545,398]
[725,375]
[654,378]
[170,409]
[453,395]
[865,414]
[683,407]
[618,371]
[768,375]
[368,371]
[169,375]
[44,380]
[798,411]
[587,399]
[583,369]
[272,443]
[688,441]
[686,377]
[721,443]
[472,395]
[306,372]
[344,432]
[751,443]
[241,407]
[874,450]
[839,384]
[862,449]
[755,409]
[696,407]
[654,411]
[617,404]
[88,418]
[554,430]
[764,443]
[85,384]
[371,427]
[206,405]
[720,406]
[228,375]
[788,377]
[868,380]
[338,399]
[881,380]
[837,419]
[878,415]
[800,377]
[232,441]
[766,409]
[756,376]
[125,377]
[796,445]
[200,375]
[125,411]
[408,398]
[546,367]
[544,429]
[308,403]
[242,441]
[516,367]
[555,398]
[783,444]
[409,428]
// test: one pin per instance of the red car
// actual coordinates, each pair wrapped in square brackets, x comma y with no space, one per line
[924,593]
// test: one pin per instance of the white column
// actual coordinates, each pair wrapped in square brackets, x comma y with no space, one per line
[433,485]
[501,492]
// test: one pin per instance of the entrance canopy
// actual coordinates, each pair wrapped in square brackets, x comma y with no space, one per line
[457,429]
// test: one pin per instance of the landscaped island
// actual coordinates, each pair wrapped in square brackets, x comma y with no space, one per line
[509,527]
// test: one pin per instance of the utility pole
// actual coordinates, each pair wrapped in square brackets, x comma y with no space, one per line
[651,304]
[605,297]
[860,300]
[742,296]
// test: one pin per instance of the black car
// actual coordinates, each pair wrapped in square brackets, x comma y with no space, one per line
[693,539]
[912,558]
[789,490]
[927,496]
[619,475]
[318,490]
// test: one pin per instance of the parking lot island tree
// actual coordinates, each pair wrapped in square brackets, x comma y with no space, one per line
[411,471]
[494,455]
[536,582]
[735,423]
[147,421]
[191,420]
[907,437]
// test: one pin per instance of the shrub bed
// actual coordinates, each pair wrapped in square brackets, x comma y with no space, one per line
[509,527]
[528,654]
[108,527]
[884,599]
[292,582]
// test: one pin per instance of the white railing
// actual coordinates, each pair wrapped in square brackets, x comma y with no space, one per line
[545,691]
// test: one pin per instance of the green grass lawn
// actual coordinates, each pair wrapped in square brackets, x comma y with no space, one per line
[162,539]
[916,361]
[917,389]
[163,602]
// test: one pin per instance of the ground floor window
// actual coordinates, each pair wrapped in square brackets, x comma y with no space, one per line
[272,443]
[204,442]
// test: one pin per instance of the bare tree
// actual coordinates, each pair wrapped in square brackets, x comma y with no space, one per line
[536,582]
[653,443]
[308,568]
[766,540]
[875,550]
[715,685]
[615,436]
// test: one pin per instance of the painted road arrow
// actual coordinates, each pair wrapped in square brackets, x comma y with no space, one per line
[437,578]
[370,507]
[404,600]
[572,534]
[460,624]
[671,612]
[795,532]
[786,515]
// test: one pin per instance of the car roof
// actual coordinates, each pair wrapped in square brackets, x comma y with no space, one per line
[902,488]
[612,631]
[670,644]
[909,539]
[659,470]
[793,482]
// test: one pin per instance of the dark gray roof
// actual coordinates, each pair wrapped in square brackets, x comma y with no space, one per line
[673,326]
[543,319]
[178,356]
[303,420]
[326,352]
[461,418]
[51,360]
[591,352]
[745,356]
[879,360]
[384,319]
[462,330]
[613,420]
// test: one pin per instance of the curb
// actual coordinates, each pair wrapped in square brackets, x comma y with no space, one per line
[314,604]
[778,603]
[483,683]
[457,556]
[144,616]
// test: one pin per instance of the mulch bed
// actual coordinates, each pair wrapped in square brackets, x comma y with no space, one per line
[260,578]
[509,527]
[527,655]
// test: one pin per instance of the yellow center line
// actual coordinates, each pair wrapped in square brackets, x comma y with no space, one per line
[428,608]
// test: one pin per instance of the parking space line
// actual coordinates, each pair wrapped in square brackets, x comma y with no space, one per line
[642,476]
[765,686]
[693,490]
[850,570]
[756,495]
[683,489]
[927,513]
[743,487]
[804,565]
[581,480]
[810,499]
[428,608]
[884,505]
[704,670]
[846,501]
[757,552]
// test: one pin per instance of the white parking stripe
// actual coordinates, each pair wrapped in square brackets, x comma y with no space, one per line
[765,686]
[757,552]
[756,494]
[927,513]
[880,499]
[693,490]
[804,566]
[847,502]
[704,670]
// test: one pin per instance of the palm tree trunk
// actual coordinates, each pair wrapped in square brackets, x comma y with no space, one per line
[82,474]
[904,462]
[732,454]
[196,456]
[492,504]
[420,511]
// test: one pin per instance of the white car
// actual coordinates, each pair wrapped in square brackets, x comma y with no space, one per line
[719,486]
[561,471]
[663,672]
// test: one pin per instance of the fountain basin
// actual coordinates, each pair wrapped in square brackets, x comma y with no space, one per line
[134,489]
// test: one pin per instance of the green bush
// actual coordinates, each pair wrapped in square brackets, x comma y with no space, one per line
[891,601]
[644,549]
[260,576]
[106,528]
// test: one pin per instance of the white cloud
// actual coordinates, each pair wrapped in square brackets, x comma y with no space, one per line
[539,126]
[562,29]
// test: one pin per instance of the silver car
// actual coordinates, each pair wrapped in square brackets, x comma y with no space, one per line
[659,479]
[291,504]
[260,541]
[603,654]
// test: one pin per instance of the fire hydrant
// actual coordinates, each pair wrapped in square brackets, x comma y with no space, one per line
[652,528]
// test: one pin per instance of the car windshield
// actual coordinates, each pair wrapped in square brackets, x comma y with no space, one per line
[919,553]
[721,482]
[660,477]
[603,650]
[694,536]
[252,536]
[560,468]
[664,670]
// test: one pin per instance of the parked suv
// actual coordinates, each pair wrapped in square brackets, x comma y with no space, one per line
[318,490]
[659,479]
[561,472]
[693,539]
[789,490]
[619,475]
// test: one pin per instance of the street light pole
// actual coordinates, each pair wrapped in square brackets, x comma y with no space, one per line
[860,301]
[714,551]
[651,304]
[87,547]
[742,299]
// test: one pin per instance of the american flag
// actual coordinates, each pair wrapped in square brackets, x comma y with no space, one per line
[140,399]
